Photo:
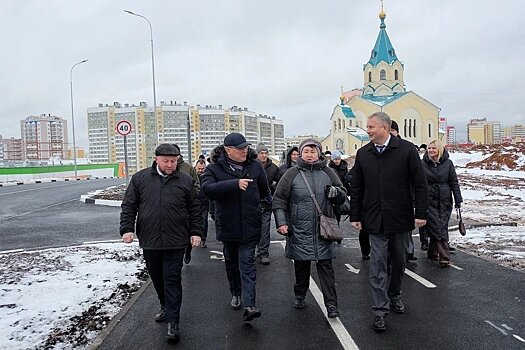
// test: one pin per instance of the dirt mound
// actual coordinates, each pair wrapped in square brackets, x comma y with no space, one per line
[505,156]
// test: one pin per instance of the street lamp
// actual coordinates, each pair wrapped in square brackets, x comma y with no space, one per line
[73,115]
[153,71]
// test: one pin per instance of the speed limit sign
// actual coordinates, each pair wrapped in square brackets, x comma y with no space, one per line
[124,127]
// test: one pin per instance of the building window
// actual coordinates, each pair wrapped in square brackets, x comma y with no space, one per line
[338,124]
[335,125]
[396,75]
[405,128]
[369,77]
[410,128]
[382,74]
[414,126]
[430,130]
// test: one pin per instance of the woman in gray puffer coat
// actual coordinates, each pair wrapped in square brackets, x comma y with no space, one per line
[442,185]
[297,218]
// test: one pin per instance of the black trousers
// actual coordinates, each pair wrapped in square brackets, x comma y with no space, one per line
[364,242]
[241,271]
[326,274]
[165,270]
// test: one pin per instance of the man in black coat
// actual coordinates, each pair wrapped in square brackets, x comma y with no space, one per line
[236,182]
[272,174]
[162,208]
[386,172]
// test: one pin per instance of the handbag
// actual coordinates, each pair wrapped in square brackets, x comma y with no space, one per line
[329,229]
[461,225]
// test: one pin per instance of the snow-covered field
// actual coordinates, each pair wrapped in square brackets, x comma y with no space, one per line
[61,298]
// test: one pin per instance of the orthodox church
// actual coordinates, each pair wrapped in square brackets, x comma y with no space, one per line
[384,90]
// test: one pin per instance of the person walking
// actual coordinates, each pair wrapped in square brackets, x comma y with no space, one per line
[161,208]
[289,161]
[442,186]
[272,174]
[297,218]
[386,172]
[236,182]
[200,167]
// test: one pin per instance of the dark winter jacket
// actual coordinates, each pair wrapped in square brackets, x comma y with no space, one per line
[186,168]
[342,171]
[381,187]
[293,206]
[237,212]
[204,201]
[163,211]
[272,174]
[442,185]
[287,164]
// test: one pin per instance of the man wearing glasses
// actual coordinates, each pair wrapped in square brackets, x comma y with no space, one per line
[236,182]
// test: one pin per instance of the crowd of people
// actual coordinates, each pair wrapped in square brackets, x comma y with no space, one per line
[392,191]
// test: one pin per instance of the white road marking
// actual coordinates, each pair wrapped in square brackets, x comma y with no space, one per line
[339,329]
[420,279]
[456,267]
[519,338]
[506,327]
[499,329]
[217,255]
[352,269]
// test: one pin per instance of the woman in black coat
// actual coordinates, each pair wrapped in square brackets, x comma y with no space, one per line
[442,185]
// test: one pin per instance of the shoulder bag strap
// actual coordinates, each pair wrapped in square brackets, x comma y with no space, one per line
[311,193]
[458,214]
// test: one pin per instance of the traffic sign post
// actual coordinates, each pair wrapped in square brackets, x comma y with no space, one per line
[124,129]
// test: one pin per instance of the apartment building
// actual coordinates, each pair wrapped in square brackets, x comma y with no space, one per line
[12,149]
[208,126]
[44,137]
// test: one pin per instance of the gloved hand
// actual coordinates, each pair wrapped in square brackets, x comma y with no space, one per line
[457,205]
[268,199]
[331,191]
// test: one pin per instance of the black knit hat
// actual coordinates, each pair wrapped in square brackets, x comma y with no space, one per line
[167,149]
[394,126]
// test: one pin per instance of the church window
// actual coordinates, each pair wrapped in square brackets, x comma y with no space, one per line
[414,128]
[369,77]
[335,125]
[429,130]
[396,75]
[338,124]
[349,123]
[410,128]
[405,128]
[344,124]
[382,74]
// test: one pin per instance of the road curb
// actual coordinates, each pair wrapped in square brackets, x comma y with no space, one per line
[116,319]
[107,202]
[25,182]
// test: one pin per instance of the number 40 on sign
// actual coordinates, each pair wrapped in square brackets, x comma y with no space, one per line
[124,127]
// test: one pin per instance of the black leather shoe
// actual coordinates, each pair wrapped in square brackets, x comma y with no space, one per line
[331,311]
[173,335]
[379,324]
[187,258]
[365,257]
[251,312]
[299,302]
[397,306]
[236,302]
[411,257]
[161,315]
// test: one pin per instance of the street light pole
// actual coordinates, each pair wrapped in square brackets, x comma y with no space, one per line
[153,72]
[73,115]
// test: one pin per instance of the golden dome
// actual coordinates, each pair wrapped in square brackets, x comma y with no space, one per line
[342,98]
[382,14]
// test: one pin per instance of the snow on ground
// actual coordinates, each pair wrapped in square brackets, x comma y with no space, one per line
[61,298]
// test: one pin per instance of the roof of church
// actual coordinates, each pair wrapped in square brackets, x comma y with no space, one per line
[358,133]
[383,49]
[383,100]
[347,111]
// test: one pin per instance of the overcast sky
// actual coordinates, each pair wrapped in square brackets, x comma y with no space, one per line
[284,58]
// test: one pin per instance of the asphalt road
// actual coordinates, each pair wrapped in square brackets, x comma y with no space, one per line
[51,215]
[475,305]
